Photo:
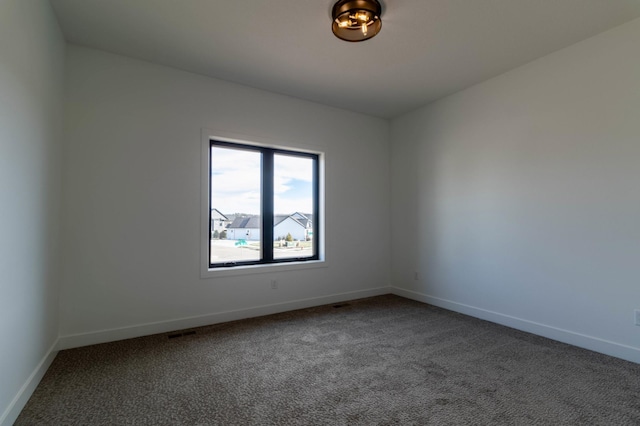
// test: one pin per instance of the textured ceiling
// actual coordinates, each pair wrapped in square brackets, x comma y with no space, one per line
[427,48]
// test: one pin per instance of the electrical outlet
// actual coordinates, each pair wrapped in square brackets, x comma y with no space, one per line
[415,276]
[274,284]
[637,311]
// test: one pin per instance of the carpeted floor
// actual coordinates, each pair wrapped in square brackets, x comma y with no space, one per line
[383,360]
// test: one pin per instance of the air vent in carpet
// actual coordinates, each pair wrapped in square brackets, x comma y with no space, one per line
[184,333]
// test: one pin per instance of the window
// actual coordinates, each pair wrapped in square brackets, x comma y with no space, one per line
[263,205]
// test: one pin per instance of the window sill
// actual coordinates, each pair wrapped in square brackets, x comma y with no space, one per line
[236,271]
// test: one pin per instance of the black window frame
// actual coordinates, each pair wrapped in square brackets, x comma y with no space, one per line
[267,204]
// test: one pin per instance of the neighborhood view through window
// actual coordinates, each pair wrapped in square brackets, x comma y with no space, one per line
[253,187]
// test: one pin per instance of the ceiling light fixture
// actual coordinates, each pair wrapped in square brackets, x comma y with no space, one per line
[356,20]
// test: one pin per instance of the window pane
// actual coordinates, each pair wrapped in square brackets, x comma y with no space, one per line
[293,207]
[235,205]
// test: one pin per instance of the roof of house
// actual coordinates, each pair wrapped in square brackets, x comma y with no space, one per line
[246,222]
[279,218]
[218,211]
[255,221]
[303,218]
[298,218]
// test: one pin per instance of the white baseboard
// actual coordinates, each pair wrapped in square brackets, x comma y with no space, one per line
[20,400]
[112,335]
[606,347]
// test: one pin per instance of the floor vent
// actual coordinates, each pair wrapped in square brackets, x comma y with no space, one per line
[341,305]
[185,333]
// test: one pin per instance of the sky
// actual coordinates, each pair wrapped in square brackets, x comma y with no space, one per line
[235,182]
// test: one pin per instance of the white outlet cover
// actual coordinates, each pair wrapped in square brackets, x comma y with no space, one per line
[637,311]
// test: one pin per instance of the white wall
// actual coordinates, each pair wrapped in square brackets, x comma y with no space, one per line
[132,198]
[31,85]
[523,196]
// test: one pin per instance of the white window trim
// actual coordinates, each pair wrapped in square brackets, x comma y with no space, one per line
[207,272]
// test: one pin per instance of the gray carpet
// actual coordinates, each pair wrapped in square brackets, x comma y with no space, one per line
[383,360]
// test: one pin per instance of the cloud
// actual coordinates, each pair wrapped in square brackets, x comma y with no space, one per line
[288,168]
[236,182]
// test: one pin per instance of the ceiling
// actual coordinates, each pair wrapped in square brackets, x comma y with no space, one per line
[427,49]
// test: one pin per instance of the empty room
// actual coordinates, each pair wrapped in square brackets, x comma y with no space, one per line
[320,212]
